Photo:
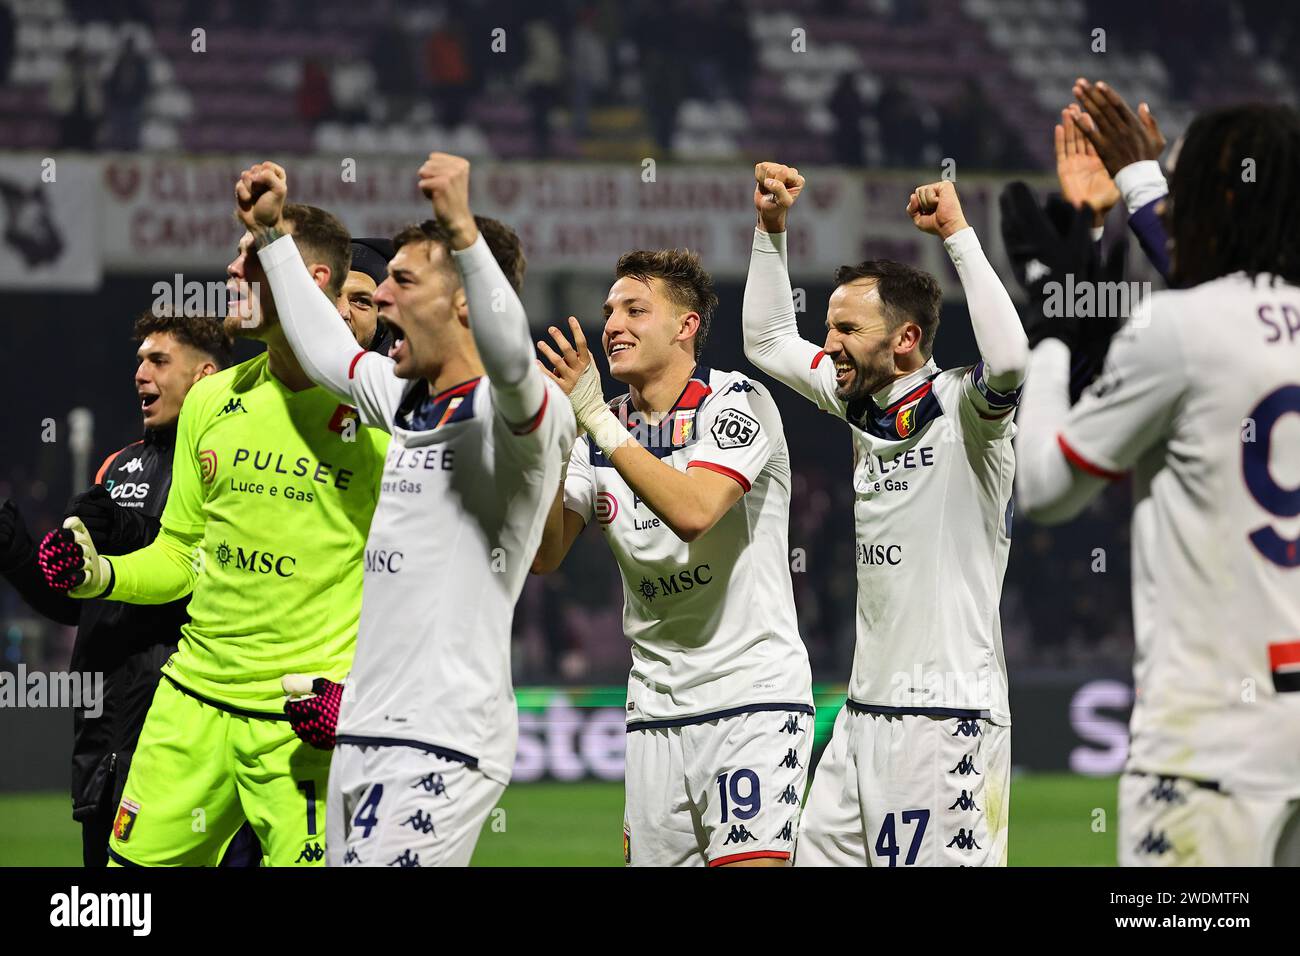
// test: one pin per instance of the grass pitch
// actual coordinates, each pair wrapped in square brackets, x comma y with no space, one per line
[1056,820]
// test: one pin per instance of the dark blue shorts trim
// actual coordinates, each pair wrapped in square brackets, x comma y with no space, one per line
[456,755]
[717,715]
[860,708]
[1202,784]
[121,860]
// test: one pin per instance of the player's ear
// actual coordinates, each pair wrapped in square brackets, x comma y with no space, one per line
[320,274]
[204,370]
[907,339]
[460,303]
[688,327]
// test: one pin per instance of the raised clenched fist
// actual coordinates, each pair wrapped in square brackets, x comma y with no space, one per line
[444,180]
[935,209]
[776,187]
[260,195]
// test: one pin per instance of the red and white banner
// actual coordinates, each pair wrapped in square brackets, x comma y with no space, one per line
[166,214]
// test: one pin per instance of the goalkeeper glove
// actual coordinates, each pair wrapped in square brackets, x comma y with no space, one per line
[313,708]
[69,561]
[1047,245]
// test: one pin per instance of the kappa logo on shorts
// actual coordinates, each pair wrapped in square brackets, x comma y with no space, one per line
[965,802]
[787,832]
[965,767]
[789,795]
[965,840]
[1164,791]
[791,759]
[407,858]
[1155,843]
[124,823]
[970,727]
[433,783]
[352,856]
[738,834]
[420,822]
[311,853]
[791,725]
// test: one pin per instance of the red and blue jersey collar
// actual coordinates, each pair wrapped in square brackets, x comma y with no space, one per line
[421,412]
[914,405]
[678,422]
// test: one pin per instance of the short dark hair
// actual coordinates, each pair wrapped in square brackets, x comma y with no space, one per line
[684,278]
[908,295]
[200,332]
[1219,222]
[501,240]
[321,237]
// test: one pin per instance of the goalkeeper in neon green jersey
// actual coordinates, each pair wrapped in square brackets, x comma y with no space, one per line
[274,484]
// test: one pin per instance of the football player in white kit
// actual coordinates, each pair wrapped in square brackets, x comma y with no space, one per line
[917,771]
[688,476]
[427,726]
[1200,398]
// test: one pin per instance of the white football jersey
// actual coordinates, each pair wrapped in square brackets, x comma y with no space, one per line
[1200,397]
[932,479]
[460,516]
[712,623]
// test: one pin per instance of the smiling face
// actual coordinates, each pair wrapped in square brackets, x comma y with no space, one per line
[163,378]
[420,300]
[250,310]
[860,342]
[356,304]
[645,330]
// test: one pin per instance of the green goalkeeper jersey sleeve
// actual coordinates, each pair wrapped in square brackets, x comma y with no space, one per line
[278,488]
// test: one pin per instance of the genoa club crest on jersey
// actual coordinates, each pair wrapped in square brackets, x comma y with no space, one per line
[124,823]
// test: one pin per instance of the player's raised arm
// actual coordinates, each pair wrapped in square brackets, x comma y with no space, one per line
[322,344]
[1079,170]
[1129,144]
[496,316]
[1004,350]
[771,331]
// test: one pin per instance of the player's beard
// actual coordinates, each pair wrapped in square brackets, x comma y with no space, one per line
[868,377]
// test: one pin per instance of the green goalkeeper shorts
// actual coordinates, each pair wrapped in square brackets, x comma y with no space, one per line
[200,771]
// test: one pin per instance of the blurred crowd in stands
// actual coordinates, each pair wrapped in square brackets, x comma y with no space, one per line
[851,82]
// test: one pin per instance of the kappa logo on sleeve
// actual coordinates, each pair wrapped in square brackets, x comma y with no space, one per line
[734,429]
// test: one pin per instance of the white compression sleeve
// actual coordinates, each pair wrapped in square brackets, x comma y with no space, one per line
[999,334]
[768,321]
[318,336]
[500,329]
